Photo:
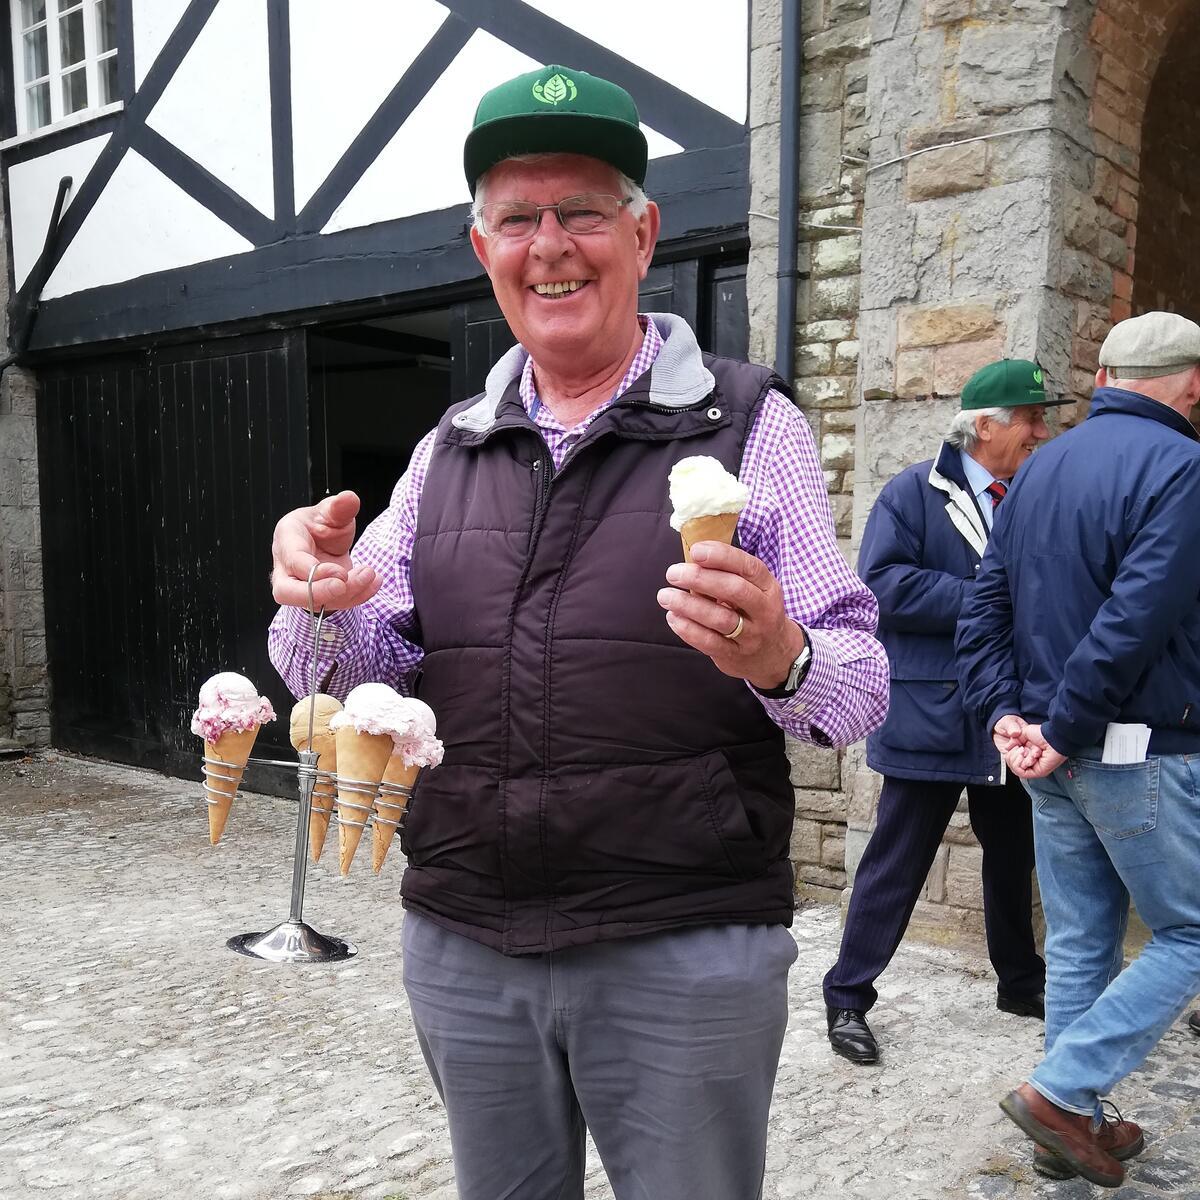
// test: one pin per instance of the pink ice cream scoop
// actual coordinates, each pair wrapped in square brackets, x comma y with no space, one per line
[229,701]
[419,746]
[376,708]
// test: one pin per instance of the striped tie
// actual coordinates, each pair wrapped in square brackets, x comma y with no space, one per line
[997,489]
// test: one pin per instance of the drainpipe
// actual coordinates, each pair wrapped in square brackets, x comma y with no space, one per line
[37,278]
[790,65]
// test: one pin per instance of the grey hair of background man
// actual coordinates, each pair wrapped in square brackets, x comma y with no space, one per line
[627,186]
[963,435]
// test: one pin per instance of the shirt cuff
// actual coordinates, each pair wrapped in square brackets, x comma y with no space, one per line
[819,684]
[337,628]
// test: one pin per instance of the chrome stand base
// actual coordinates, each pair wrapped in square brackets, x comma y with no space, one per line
[292,941]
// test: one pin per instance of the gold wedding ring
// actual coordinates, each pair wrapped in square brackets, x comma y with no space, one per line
[736,632]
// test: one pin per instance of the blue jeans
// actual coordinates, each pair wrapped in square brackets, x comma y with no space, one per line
[1105,833]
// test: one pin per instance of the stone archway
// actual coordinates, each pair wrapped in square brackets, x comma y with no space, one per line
[1129,235]
[1165,274]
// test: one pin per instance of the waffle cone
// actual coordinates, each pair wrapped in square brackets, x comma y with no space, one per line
[362,757]
[390,807]
[324,796]
[715,527]
[232,747]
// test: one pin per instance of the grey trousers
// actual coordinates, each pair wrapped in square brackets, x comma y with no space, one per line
[665,1047]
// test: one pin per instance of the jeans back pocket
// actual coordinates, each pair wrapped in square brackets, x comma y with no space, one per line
[1120,800]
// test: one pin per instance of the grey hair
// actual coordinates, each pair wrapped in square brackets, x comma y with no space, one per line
[962,434]
[638,198]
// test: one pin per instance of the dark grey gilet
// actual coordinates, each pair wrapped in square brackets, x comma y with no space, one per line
[601,778]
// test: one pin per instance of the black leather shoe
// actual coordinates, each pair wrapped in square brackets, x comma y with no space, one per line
[851,1036]
[1194,1022]
[1022,1006]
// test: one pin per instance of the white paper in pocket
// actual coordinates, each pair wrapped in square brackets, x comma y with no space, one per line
[1125,743]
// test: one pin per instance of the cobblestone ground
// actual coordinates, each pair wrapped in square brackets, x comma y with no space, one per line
[141,1060]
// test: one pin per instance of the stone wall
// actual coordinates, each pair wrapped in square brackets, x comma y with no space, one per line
[24,683]
[833,145]
[961,250]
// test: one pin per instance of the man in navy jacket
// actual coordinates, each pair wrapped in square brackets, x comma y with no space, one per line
[921,548]
[1079,646]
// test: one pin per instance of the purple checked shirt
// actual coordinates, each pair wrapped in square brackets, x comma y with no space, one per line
[787,524]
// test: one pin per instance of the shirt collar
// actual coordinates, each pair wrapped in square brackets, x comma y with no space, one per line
[652,343]
[978,476]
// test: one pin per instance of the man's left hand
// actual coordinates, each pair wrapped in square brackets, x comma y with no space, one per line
[711,593]
[1036,759]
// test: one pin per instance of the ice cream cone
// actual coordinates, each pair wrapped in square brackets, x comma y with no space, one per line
[323,798]
[714,527]
[362,759]
[232,747]
[318,710]
[390,806]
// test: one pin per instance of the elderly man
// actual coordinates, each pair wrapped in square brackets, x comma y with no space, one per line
[598,889]
[1080,648]
[920,551]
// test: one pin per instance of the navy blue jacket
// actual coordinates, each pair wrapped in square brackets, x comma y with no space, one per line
[921,548]
[1087,609]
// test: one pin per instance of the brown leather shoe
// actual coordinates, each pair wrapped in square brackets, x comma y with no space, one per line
[1120,1138]
[1068,1135]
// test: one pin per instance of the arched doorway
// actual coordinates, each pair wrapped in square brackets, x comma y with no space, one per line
[1137,226]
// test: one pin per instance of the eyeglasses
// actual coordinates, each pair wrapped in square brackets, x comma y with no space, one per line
[517,219]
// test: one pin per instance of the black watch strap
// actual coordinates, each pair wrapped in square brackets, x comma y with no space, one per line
[795,676]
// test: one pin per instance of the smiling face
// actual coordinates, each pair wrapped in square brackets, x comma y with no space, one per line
[1003,448]
[570,299]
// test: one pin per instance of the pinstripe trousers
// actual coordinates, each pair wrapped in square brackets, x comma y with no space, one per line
[913,816]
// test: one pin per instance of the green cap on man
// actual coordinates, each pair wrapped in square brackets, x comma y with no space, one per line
[556,110]
[1006,384]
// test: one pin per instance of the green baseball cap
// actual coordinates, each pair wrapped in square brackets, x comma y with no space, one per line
[1006,384]
[556,110]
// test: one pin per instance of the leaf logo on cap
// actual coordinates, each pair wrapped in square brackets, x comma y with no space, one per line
[555,89]
[1037,377]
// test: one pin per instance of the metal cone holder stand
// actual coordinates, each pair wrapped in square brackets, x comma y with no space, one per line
[293,940]
[393,801]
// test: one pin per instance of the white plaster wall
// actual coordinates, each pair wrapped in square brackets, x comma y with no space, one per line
[32,188]
[141,223]
[217,109]
[346,58]
[420,169]
[700,48]
[153,21]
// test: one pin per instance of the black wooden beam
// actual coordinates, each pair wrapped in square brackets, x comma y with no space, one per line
[279,48]
[204,187]
[126,73]
[425,70]
[703,194]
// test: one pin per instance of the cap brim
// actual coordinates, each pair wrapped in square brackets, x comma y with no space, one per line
[612,141]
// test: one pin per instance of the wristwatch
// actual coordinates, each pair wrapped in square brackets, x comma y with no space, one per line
[795,676]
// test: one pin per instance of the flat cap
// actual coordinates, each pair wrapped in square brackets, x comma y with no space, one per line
[1154,344]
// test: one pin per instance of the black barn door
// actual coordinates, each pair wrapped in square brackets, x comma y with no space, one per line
[162,477]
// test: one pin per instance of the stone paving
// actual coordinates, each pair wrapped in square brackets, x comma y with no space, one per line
[141,1060]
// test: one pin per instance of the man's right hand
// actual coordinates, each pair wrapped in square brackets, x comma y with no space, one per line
[320,536]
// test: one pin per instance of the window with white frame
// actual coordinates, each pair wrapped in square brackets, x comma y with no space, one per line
[65,55]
